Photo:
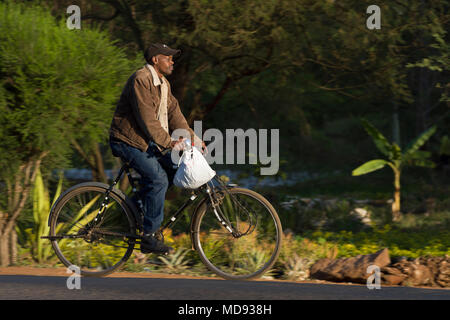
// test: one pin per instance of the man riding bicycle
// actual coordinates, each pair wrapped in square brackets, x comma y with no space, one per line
[145,115]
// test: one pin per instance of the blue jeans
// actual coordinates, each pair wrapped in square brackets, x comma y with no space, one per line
[156,173]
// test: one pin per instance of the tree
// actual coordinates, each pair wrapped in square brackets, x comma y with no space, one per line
[396,159]
[227,44]
[221,41]
[56,86]
[224,43]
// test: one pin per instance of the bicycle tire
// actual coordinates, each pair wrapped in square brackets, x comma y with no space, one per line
[123,219]
[253,244]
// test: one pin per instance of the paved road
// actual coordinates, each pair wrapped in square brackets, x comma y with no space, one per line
[55,288]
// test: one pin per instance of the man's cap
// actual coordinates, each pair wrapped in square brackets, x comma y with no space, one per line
[158,48]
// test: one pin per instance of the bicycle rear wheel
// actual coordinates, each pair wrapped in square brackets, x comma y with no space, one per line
[96,247]
[249,242]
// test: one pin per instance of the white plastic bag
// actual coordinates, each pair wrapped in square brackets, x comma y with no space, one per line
[193,170]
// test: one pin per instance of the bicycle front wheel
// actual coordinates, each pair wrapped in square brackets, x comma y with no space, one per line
[246,243]
[99,247]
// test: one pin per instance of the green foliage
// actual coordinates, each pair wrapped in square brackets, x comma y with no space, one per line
[175,262]
[411,155]
[396,159]
[41,249]
[80,252]
[425,242]
[370,166]
[297,268]
[378,138]
[445,146]
[56,84]
[440,59]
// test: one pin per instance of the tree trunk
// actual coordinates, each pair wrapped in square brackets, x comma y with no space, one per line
[425,101]
[180,78]
[99,169]
[396,213]
[13,246]
[18,190]
[4,242]
[8,247]
[4,250]
[94,160]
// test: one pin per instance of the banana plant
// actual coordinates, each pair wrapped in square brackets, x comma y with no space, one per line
[396,159]
[41,207]
[81,218]
[41,249]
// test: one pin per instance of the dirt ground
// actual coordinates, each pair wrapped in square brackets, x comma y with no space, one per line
[63,272]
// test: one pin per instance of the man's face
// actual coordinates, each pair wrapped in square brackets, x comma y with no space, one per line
[164,64]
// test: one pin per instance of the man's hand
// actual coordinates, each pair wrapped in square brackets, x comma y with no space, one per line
[178,145]
[204,148]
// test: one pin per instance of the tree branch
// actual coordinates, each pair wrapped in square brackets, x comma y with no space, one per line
[25,190]
[96,17]
[123,9]
[88,160]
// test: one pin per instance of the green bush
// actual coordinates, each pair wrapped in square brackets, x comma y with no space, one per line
[427,242]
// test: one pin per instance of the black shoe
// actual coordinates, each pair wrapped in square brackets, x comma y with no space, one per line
[150,244]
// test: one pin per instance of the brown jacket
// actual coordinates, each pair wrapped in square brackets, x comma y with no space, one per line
[135,119]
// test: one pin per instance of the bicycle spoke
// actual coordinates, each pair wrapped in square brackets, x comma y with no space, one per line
[254,244]
[101,245]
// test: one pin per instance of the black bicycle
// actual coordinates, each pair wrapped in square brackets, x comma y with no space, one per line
[236,232]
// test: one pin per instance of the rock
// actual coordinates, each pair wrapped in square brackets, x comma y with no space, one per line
[440,269]
[421,275]
[317,267]
[363,215]
[288,204]
[391,279]
[443,276]
[424,271]
[352,269]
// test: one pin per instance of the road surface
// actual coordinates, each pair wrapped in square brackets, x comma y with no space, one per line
[27,287]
